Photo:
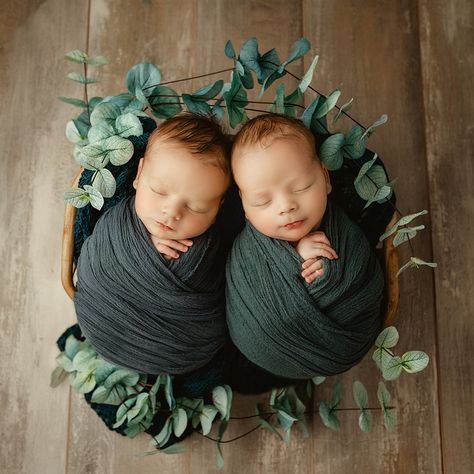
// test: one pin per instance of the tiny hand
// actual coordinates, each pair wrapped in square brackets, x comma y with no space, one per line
[314,245]
[313,268]
[169,247]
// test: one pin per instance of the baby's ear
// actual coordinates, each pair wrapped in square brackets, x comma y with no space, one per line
[327,178]
[140,167]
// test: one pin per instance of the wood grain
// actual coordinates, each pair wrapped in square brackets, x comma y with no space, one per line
[370,51]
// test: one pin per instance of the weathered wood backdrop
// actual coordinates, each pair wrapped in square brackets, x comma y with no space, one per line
[410,59]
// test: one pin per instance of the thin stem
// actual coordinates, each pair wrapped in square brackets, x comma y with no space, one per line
[85,92]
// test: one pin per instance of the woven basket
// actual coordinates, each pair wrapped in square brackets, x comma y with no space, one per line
[388,256]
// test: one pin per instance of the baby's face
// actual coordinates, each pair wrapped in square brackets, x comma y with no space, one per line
[177,196]
[283,187]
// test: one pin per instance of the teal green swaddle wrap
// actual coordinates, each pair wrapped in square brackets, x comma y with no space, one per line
[299,330]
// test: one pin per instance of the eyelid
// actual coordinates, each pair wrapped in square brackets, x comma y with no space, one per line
[157,192]
[194,210]
[304,189]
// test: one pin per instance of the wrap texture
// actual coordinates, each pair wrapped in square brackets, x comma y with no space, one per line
[299,330]
[143,312]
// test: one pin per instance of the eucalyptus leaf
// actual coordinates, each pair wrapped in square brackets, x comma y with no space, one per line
[73,101]
[196,106]
[393,369]
[299,49]
[180,421]
[360,394]
[65,362]
[169,393]
[76,77]
[416,262]
[100,394]
[330,151]
[405,234]
[119,150]
[365,421]
[99,132]
[123,377]
[163,436]
[328,417]
[369,180]
[382,357]
[354,144]
[57,376]
[210,91]
[164,102]
[229,50]
[128,125]
[71,347]
[173,449]
[84,360]
[72,133]
[380,121]
[236,100]
[97,61]
[344,108]
[388,337]
[142,78]
[76,56]
[318,379]
[206,418]
[84,382]
[326,105]
[308,77]
[415,361]
[383,395]
[77,197]
[402,221]
[220,400]
[105,111]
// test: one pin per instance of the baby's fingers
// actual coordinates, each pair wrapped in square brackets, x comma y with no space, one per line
[315,269]
[174,244]
[167,251]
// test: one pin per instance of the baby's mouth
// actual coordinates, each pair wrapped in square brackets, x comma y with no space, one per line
[294,224]
[164,226]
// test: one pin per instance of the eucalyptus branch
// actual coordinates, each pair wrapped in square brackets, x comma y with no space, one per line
[86,100]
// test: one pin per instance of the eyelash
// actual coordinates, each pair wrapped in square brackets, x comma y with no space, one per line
[187,207]
[298,191]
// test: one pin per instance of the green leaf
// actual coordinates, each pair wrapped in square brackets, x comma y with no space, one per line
[264,66]
[336,395]
[76,56]
[360,394]
[266,425]
[308,77]
[210,91]
[71,347]
[76,77]
[164,102]
[206,418]
[100,131]
[97,61]
[290,102]
[169,393]
[82,124]
[180,421]
[365,421]
[65,362]
[104,182]
[310,117]
[96,199]
[354,145]
[344,108]
[100,394]
[220,400]
[236,100]
[119,150]
[89,162]
[122,376]
[73,101]
[84,360]
[57,376]
[77,197]
[328,417]
[105,111]
[370,179]
[327,104]
[278,105]
[382,356]
[390,419]
[393,369]
[318,380]
[405,234]
[388,337]
[415,262]
[163,436]
[229,50]
[414,361]
[196,106]
[220,457]
[173,449]
[72,133]
[299,49]
[84,382]
[330,151]
[383,395]
[141,79]
[128,125]
[381,120]
[403,221]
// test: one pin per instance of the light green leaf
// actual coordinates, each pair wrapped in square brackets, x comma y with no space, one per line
[405,234]
[100,394]
[383,395]
[98,132]
[84,382]
[76,56]
[71,347]
[122,376]
[84,360]
[169,393]
[128,125]
[330,151]
[327,104]
[308,77]
[344,108]
[393,369]
[220,400]
[119,150]
[369,180]
[360,394]
[57,376]
[64,362]
[403,221]
[72,133]
[278,105]
[236,100]
[77,197]
[105,111]
[318,380]
[220,457]
[229,50]
[96,199]
[206,418]
[365,421]
[299,49]
[104,182]
[388,337]
[163,436]
[76,77]
[173,449]
[415,262]
[382,356]
[336,395]
[415,361]
[389,419]
[328,417]
[97,61]
[180,421]
[73,101]
[380,121]
[210,91]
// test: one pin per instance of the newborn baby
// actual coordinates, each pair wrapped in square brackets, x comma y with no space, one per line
[140,305]
[304,288]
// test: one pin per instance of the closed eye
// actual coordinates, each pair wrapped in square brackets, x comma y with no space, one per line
[261,204]
[304,189]
[158,192]
[196,210]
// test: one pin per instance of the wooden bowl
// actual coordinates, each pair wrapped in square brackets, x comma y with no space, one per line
[390,261]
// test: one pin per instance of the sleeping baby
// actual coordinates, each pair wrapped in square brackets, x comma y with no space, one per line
[150,292]
[304,288]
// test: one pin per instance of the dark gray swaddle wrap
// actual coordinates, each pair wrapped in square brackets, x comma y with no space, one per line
[296,330]
[141,311]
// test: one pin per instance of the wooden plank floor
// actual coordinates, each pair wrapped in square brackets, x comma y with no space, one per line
[410,59]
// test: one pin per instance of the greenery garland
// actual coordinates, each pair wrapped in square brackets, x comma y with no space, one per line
[100,134]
